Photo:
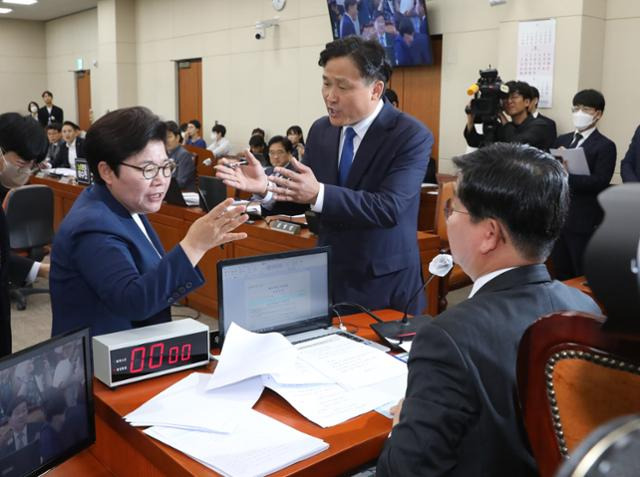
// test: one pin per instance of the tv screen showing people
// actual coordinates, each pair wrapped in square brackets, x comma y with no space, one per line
[400,26]
[46,405]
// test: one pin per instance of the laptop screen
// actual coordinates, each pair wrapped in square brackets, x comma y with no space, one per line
[286,292]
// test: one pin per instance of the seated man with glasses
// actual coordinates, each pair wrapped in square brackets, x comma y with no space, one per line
[585,214]
[109,270]
[460,415]
[521,128]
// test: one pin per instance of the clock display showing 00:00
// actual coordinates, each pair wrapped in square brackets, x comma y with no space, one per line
[154,357]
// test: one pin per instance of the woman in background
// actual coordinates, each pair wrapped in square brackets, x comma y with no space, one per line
[33,108]
[294,134]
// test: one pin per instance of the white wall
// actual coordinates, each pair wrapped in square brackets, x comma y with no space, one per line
[272,83]
[69,38]
[23,68]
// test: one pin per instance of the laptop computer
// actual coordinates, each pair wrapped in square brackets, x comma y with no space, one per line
[212,192]
[285,292]
[174,194]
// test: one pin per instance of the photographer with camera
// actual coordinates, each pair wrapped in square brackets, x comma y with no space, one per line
[521,128]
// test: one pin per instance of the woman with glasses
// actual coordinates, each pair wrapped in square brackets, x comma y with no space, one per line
[109,270]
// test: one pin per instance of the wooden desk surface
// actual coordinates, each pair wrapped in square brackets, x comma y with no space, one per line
[127,451]
[83,464]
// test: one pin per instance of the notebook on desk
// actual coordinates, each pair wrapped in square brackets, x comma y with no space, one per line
[285,292]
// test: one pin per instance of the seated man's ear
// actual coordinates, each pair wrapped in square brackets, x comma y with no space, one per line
[493,235]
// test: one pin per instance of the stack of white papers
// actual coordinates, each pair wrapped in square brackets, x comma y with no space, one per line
[259,446]
[191,198]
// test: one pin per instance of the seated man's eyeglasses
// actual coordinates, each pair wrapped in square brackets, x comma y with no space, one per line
[150,170]
[448,209]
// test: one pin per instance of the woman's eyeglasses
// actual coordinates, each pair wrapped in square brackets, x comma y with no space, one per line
[150,170]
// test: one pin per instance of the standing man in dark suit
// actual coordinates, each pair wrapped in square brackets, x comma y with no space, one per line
[384,38]
[348,23]
[585,214]
[552,132]
[630,165]
[362,170]
[50,113]
[460,415]
[21,433]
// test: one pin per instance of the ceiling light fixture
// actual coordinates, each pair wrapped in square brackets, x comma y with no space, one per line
[20,2]
[5,10]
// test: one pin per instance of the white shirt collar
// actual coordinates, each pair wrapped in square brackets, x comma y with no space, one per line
[535,113]
[586,133]
[362,126]
[484,279]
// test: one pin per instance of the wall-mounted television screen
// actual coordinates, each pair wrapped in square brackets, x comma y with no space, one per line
[400,26]
[46,404]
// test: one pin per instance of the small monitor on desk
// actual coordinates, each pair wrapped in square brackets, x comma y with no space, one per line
[46,404]
[212,192]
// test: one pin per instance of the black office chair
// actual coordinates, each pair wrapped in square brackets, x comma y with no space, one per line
[29,212]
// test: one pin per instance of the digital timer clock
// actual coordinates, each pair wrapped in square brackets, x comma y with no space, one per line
[141,353]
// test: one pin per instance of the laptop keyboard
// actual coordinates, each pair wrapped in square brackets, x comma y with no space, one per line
[314,335]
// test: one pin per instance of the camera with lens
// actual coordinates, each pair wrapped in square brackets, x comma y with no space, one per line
[488,93]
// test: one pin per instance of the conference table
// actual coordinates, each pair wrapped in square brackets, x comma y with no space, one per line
[123,450]
[171,223]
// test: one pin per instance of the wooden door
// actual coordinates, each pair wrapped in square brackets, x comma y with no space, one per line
[83,92]
[190,90]
[418,89]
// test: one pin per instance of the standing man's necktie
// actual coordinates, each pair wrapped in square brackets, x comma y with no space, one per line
[346,158]
[576,140]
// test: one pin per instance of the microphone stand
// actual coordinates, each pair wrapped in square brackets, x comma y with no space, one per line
[403,329]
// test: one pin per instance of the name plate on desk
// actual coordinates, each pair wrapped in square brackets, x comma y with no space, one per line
[141,353]
[286,227]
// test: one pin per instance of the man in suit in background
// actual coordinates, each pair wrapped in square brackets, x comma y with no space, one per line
[72,147]
[384,38]
[349,19]
[460,415]
[21,433]
[362,170]
[552,132]
[585,214]
[50,113]
[630,165]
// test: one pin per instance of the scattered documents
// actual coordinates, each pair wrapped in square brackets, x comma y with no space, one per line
[575,159]
[259,446]
[188,405]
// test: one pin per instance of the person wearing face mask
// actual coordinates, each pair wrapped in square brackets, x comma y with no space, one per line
[21,142]
[72,148]
[585,214]
[185,172]
[220,146]
[33,108]
[109,270]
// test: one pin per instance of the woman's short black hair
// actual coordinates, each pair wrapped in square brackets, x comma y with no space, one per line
[220,129]
[368,56]
[121,134]
[29,105]
[259,131]
[24,136]
[523,187]
[591,98]
[281,140]
[296,130]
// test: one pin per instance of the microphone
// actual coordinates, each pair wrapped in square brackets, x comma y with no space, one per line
[405,329]
[473,89]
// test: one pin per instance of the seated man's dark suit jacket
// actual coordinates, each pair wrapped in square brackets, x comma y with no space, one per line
[62,159]
[532,131]
[371,222]
[630,165]
[460,416]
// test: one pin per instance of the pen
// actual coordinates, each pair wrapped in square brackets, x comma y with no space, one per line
[241,162]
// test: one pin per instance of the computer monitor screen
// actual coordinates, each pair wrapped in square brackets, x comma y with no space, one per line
[400,26]
[274,292]
[46,404]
